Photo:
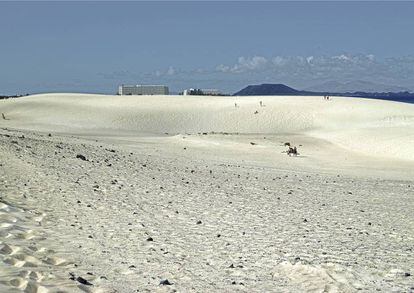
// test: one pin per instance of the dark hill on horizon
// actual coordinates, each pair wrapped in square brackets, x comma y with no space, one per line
[268,89]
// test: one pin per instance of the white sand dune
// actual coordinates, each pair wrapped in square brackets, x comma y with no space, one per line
[371,127]
[214,205]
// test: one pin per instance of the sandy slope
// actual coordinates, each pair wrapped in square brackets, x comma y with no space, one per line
[223,214]
[372,127]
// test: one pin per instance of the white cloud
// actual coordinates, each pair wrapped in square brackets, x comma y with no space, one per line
[278,60]
[245,64]
[371,57]
[257,62]
[342,57]
[222,68]
[347,63]
[168,72]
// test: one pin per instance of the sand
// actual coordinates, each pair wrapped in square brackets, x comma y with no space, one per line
[199,192]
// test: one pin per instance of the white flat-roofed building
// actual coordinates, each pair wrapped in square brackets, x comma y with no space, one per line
[211,92]
[143,89]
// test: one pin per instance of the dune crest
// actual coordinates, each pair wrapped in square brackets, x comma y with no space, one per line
[371,127]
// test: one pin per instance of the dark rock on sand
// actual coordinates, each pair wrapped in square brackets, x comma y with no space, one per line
[83,281]
[82,157]
[165,282]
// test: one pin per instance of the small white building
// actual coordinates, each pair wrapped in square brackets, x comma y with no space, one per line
[192,92]
[143,89]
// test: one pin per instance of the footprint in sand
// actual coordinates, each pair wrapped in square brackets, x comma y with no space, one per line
[32,275]
[4,207]
[39,218]
[30,261]
[33,287]
[40,249]
[8,236]
[6,225]
[23,260]
[14,262]
[26,234]
[56,261]
[18,283]
[9,249]
[6,217]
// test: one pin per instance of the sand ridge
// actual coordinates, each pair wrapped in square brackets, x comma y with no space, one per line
[371,127]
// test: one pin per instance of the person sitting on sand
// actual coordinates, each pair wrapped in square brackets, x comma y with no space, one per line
[292,151]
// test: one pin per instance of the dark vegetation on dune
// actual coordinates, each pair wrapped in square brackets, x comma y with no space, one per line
[12,96]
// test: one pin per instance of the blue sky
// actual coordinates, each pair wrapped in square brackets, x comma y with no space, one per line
[94,46]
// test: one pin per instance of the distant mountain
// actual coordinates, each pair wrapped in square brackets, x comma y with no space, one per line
[284,90]
[356,86]
[267,89]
